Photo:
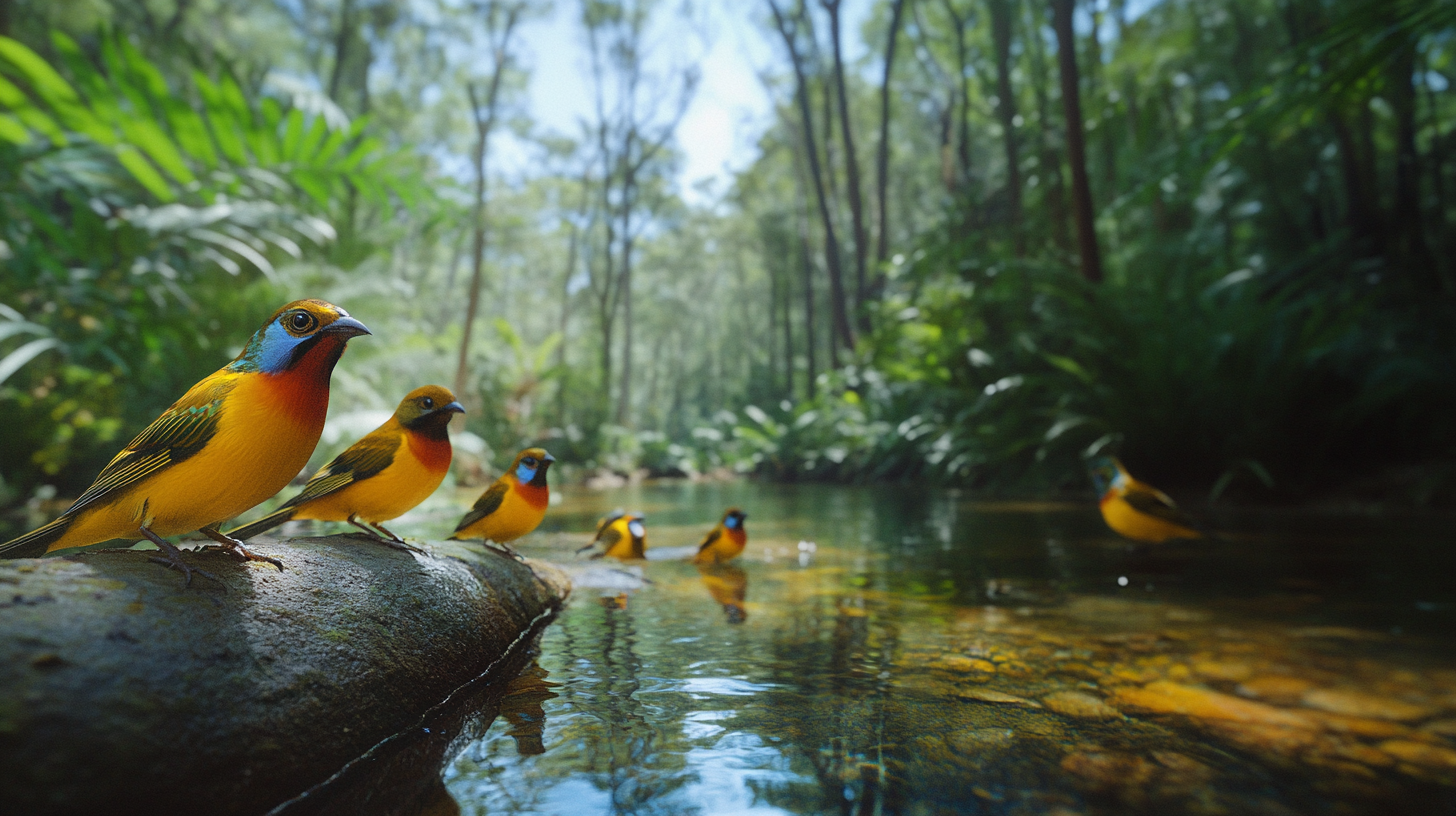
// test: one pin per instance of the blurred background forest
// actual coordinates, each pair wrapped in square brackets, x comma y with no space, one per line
[975,240]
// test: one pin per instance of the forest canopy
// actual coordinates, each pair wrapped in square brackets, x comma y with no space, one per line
[977,242]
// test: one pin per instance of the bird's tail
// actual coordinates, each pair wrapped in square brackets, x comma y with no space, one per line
[35,543]
[263,524]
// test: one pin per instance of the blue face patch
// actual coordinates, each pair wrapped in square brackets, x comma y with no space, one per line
[269,351]
[635,528]
[731,522]
[525,473]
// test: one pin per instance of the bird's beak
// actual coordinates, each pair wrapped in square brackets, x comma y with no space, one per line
[548,458]
[347,326]
[453,407]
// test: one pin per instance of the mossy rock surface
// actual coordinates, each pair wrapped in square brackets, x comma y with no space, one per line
[121,691]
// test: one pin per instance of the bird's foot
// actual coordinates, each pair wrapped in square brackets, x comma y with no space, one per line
[229,544]
[502,549]
[393,541]
[171,558]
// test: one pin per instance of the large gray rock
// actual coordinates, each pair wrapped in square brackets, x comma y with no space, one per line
[122,692]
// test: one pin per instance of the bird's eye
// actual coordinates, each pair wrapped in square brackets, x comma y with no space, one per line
[529,461]
[301,322]
[427,402]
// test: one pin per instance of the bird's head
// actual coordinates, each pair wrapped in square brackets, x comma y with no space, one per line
[428,409]
[304,330]
[1106,473]
[733,519]
[636,525]
[531,465]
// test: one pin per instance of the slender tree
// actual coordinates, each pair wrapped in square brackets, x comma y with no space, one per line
[1006,111]
[839,311]
[500,20]
[851,171]
[1089,256]
[882,151]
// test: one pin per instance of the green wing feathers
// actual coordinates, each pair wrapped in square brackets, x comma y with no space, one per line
[181,431]
[488,503]
[712,536]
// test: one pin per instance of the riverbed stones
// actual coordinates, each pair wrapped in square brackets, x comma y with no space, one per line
[1353,703]
[1080,706]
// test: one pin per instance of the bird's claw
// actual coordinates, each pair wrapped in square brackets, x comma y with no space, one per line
[177,564]
[502,549]
[244,554]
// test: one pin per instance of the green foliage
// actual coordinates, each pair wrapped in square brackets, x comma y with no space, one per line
[129,200]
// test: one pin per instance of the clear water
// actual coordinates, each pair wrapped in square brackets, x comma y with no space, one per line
[886,650]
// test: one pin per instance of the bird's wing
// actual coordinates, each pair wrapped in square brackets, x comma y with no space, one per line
[1156,503]
[606,521]
[714,535]
[181,431]
[363,459]
[488,502]
[608,539]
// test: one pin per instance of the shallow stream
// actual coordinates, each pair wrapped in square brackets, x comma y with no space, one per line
[883,650]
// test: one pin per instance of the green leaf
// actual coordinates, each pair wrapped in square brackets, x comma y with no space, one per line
[11,130]
[142,170]
[227,129]
[15,359]
[1068,365]
[293,134]
[15,100]
[147,136]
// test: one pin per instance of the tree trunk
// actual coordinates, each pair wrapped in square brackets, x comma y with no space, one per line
[1090,258]
[882,154]
[1409,233]
[851,169]
[1006,109]
[624,394]
[1049,159]
[839,311]
[963,78]
[483,126]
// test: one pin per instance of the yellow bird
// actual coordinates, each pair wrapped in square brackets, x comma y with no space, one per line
[234,439]
[513,506]
[724,542]
[1137,510]
[621,535]
[380,477]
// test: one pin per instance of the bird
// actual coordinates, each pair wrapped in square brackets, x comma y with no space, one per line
[621,534]
[724,542]
[1137,510]
[234,439]
[380,477]
[511,507]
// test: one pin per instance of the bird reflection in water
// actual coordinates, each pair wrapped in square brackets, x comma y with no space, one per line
[521,708]
[728,584]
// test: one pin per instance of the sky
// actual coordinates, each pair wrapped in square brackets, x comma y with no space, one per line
[731,109]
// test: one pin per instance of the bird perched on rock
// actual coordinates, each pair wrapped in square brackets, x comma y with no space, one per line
[724,542]
[1137,510]
[380,477]
[234,439]
[621,535]
[513,506]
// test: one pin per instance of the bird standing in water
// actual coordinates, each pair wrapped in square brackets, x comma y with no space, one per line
[724,542]
[1137,510]
[511,507]
[621,534]
[234,439]
[380,477]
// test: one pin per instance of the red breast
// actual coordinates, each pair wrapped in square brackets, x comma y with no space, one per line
[537,497]
[434,454]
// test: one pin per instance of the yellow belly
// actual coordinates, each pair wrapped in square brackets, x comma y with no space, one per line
[253,455]
[627,548]
[1129,523]
[386,495]
[514,518]
[724,549]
